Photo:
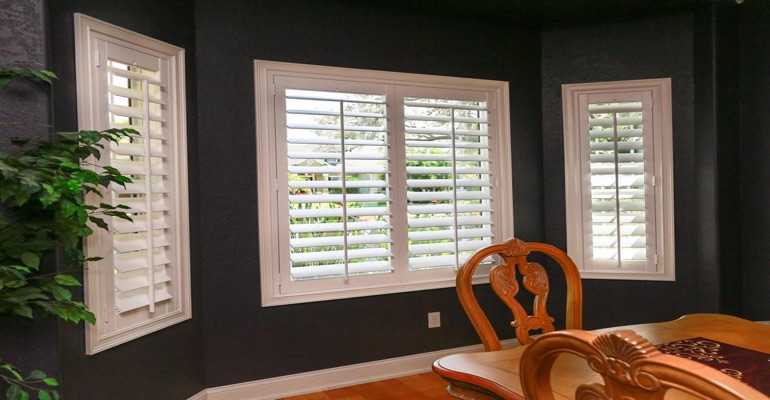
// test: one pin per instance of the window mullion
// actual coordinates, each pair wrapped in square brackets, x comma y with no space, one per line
[454,189]
[148,194]
[398,187]
[618,222]
[344,190]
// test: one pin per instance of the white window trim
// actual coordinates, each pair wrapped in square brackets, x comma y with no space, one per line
[87,29]
[664,182]
[266,172]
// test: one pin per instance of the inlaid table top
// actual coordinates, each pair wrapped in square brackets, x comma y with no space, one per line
[495,375]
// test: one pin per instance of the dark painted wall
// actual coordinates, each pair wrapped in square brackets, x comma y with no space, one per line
[755,156]
[166,364]
[244,341]
[717,159]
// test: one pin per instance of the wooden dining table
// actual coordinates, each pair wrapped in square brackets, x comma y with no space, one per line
[495,374]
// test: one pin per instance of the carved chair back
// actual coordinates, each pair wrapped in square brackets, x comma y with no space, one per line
[630,366]
[512,263]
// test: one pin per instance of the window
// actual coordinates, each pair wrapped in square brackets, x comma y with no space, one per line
[619,179]
[126,80]
[376,182]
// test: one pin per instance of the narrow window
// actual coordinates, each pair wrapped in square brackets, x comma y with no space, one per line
[126,80]
[618,165]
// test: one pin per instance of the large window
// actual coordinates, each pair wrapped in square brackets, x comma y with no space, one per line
[126,80]
[619,179]
[374,182]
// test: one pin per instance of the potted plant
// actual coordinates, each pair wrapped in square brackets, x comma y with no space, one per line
[43,184]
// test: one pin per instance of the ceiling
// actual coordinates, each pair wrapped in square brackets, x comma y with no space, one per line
[553,11]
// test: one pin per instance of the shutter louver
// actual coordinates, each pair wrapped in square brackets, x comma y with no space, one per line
[338,179]
[448,180]
[618,189]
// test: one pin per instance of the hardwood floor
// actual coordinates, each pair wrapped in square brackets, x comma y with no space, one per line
[423,386]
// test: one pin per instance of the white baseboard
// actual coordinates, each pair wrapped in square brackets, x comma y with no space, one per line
[316,381]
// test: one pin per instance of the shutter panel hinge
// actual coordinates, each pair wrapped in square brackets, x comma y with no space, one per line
[96,59]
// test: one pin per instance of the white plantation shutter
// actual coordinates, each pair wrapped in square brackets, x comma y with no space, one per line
[143,268]
[620,194]
[142,283]
[447,180]
[618,162]
[374,182]
[338,179]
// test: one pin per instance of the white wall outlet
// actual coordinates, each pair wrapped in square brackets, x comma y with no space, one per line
[434,319]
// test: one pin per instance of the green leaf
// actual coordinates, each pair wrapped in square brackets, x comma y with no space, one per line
[98,222]
[37,375]
[12,370]
[60,293]
[74,185]
[119,214]
[45,306]
[31,259]
[23,310]
[67,208]
[15,392]
[61,312]
[49,73]
[43,395]
[89,316]
[83,218]
[66,280]
[85,231]
[86,176]
[70,164]
[51,382]
[43,75]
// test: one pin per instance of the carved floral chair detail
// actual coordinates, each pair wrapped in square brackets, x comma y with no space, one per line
[513,262]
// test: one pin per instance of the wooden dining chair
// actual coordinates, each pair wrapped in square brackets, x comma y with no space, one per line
[512,260]
[630,366]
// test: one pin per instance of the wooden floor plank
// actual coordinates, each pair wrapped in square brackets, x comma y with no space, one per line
[425,386]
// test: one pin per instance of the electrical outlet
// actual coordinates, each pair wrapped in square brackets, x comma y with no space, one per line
[434,319]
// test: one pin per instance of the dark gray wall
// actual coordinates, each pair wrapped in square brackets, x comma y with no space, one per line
[244,341]
[716,154]
[755,157]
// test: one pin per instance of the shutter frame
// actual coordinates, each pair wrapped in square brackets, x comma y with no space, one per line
[658,264]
